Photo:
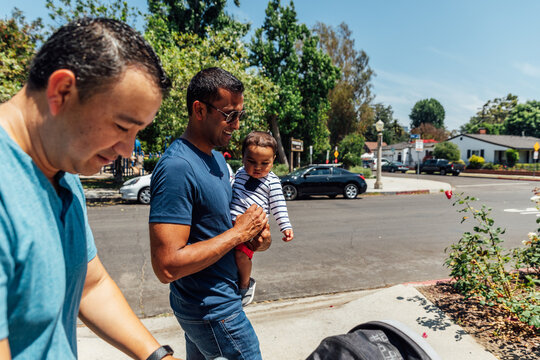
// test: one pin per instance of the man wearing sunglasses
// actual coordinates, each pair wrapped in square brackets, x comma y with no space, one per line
[191,233]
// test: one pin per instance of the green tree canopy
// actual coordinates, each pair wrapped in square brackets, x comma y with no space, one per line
[351,97]
[351,149]
[524,119]
[492,116]
[392,132]
[18,40]
[196,16]
[447,150]
[427,111]
[287,53]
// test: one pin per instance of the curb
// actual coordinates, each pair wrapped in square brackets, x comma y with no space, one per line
[410,192]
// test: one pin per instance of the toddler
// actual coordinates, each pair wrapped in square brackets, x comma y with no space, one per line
[255,183]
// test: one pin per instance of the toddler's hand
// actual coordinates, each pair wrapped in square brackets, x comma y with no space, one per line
[289,235]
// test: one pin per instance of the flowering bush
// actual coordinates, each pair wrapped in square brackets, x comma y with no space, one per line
[475,162]
[482,268]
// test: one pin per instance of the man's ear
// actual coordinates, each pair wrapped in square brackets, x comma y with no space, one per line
[60,87]
[198,110]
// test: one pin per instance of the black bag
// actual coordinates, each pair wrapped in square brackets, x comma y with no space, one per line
[375,340]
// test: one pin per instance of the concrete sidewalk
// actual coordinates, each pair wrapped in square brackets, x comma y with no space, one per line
[292,329]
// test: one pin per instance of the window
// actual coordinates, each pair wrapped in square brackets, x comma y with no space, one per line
[320,171]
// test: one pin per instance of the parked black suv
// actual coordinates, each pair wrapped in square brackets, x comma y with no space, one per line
[441,166]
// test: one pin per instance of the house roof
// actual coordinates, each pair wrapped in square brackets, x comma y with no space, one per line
[372,145]
[509,141]
[406,144]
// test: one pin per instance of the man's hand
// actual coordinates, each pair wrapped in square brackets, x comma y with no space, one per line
[252,222]
[288,235]
[262,241]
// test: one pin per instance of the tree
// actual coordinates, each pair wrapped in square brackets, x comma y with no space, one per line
[428,131]
[182,56]
[351,97]
[392,132]
[287,53]
[492,116]
[17,47]
[351,149]
[524,120]
[68,10]
[427,111]
[196,16]
[447,150]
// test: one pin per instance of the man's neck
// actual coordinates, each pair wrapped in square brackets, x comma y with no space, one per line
[21,118]
[197,140]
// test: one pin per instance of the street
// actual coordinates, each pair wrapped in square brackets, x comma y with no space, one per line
[340,245]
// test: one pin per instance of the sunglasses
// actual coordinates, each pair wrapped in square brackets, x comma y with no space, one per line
[230,117]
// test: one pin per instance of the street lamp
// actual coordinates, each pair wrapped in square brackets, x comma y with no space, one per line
[379,126]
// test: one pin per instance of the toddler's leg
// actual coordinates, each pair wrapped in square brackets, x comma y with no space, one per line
[244,268]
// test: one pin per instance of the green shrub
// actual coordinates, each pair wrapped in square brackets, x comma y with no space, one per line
[350,160]
[280,169]
[447,150]
[512,157]
[368,174]
[235,164]
[475,162]
[149,164]
[488,166]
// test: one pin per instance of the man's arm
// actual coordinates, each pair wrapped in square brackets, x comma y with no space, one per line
[106,312]
[5,352]
[173,258]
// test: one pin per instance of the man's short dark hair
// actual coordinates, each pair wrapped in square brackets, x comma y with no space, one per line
[261,139]
[98,51]
[205,84]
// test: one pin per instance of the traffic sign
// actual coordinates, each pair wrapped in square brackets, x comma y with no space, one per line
[536,146]
[419,145]
[535,155]
[336,153]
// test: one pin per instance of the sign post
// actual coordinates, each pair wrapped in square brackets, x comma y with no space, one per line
[296,146]
[419,146]
[535,157]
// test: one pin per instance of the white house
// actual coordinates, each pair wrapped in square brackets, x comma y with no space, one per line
[406,153]
[493,147]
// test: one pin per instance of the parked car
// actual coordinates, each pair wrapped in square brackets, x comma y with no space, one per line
[441,166]
[322,180]
[137,188]
[394,166]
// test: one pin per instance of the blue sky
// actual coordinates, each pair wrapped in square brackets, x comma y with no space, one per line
[460,52]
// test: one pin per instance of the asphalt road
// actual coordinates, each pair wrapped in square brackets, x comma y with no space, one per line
[339,245]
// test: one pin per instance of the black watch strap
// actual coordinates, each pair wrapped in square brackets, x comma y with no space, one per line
[160,353]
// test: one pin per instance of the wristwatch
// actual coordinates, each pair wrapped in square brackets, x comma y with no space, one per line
[160,353]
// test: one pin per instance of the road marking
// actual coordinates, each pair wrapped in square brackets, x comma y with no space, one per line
[527,211]
[492,184]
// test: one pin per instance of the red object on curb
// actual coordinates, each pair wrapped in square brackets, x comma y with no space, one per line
[424,335]
[448,194]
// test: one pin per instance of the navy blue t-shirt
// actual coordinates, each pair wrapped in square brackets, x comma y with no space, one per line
[190,187]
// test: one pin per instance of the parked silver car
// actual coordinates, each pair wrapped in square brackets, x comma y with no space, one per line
[137,188]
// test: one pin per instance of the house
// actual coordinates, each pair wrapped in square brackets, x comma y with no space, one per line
[493,147]
[406,153]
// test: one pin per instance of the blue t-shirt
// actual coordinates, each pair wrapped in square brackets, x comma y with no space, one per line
[45,245]
[190,187]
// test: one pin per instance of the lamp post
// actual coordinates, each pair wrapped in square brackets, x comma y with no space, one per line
[379,126]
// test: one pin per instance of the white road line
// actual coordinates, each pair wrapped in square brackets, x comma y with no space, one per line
[492,184]
[527,211]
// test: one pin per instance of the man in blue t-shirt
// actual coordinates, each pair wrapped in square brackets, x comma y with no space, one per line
[92,86]
[191,233]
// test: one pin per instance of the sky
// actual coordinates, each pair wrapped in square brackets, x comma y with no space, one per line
[460,52]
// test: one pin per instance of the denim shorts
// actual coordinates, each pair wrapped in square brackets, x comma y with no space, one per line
[232,338]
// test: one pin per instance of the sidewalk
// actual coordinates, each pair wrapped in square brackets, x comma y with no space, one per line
[292,329]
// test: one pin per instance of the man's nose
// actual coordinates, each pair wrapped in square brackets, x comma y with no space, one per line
[235,124]
[125,146]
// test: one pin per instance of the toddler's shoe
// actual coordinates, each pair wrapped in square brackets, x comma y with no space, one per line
[249,293]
